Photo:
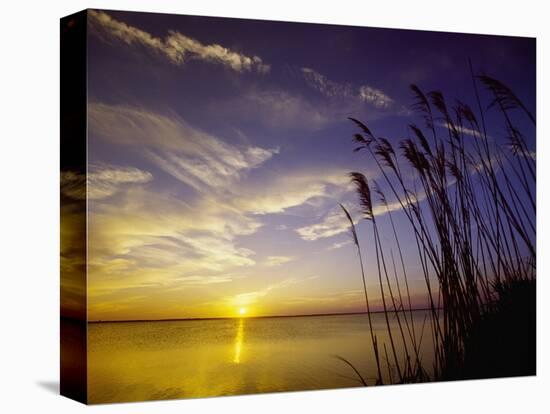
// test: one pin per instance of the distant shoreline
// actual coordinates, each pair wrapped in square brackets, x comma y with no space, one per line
[253,317]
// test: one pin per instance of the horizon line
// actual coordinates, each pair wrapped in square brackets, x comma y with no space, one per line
[251,317]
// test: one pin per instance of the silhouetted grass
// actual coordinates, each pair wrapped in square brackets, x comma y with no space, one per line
[471,209]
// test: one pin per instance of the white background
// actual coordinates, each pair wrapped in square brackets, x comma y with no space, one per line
[29,206]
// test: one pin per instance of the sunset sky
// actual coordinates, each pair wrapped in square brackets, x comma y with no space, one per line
[219,149]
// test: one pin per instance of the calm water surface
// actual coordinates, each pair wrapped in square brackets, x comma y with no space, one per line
[133,361]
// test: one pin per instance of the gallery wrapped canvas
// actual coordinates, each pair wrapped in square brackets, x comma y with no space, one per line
[256,206]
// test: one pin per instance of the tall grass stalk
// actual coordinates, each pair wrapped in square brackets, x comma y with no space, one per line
[471,208]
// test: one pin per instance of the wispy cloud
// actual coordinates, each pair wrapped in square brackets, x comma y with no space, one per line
[190,155]
[155,238]
[292,189]
[277,260]
[375,97]
[332,224]
[147,239]
[275,107]
[330,88]
[335,223]
[175,47]
[339,245]
[462,130]
[326,86]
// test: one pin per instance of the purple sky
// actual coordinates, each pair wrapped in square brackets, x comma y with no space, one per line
[219,148]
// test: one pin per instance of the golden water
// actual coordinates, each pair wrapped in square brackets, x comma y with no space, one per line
[134,361]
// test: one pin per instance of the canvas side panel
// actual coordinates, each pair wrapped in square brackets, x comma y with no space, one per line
[73,378]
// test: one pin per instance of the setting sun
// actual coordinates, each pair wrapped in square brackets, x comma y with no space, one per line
[242,311]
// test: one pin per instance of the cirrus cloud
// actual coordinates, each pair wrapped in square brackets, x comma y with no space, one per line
[332,224]
[175,47]
[195,157]
[365,93]
[277,260]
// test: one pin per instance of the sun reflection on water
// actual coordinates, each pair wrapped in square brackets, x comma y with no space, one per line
[239,342]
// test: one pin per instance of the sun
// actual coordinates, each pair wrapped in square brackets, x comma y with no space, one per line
[242,311]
